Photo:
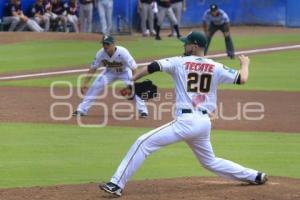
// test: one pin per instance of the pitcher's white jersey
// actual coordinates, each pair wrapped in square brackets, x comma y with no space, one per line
[196,80]
[120,61]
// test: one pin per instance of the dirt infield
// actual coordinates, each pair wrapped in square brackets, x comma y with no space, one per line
[195,188]
[35,104]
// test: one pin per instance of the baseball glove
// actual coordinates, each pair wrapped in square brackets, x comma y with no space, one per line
[145,90]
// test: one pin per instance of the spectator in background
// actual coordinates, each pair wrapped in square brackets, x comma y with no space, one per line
[11,15]
[14,16]
[178,6]
[145,9]
[48,8]
[59,10]
[72,15]
[164,9]
[215,19]
[86,15]
[38,14]
[105,10]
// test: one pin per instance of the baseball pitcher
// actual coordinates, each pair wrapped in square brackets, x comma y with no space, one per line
[120,65]
[196,80]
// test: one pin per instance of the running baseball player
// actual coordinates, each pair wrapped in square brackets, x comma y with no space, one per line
[120,65]
[196,80]
[215,19]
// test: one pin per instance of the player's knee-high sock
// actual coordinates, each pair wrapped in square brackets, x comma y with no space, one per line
[157,30]
[157,37]
[229,46]
[177,30]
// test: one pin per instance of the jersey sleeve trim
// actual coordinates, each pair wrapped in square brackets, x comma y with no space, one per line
[160,66]
[153,67]
[237,78]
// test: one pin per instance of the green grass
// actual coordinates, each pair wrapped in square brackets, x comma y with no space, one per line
[39,154]
[273,71]
[43,82]
[255,41]
[34,55]
[278,71]
[57,54]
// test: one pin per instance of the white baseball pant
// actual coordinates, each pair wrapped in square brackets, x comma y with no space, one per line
[105,78]
[194,129]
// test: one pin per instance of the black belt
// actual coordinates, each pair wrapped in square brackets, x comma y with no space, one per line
[183,111]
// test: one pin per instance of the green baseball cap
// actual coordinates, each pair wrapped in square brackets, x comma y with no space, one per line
[195,37]
[107,39]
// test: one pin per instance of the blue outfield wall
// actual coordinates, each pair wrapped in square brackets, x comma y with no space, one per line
[258,12]
[252,12]
[263,12]
[122,14]
[293,16]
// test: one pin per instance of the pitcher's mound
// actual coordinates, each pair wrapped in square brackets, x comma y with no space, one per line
[203,188]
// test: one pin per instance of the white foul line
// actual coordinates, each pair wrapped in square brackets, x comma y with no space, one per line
[257,51]
[143,64]
[42,74]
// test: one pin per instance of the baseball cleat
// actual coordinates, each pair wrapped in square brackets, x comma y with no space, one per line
[261,178]
[153,33]
[145,34]
[231,56]
[111,188]
[78,113]
[143,115]
[157,37]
